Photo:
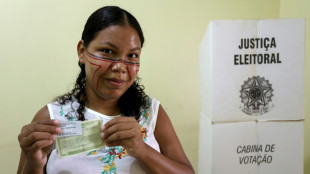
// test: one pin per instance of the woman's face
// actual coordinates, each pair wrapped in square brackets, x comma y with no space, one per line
[111,61]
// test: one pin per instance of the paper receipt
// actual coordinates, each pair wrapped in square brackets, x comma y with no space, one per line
[70,128]
[90,139]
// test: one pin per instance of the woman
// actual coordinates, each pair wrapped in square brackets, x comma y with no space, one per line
[137,132]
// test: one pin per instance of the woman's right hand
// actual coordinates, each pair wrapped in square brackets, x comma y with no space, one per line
[36,141]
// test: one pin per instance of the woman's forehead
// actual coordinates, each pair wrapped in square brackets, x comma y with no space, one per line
[118,35]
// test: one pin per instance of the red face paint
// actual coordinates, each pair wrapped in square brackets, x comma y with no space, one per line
[104,64]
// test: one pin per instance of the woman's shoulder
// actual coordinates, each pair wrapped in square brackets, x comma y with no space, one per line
[149,113]
[45,112]
[71,104]
[153,105]
[42,114]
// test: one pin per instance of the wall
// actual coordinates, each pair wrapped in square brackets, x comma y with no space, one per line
[301,9]
[39,60]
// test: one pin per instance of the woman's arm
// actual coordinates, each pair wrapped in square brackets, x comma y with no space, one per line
[36,141]
[172,158]
[125,131]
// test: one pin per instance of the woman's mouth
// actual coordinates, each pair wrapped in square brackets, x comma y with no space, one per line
[115,82]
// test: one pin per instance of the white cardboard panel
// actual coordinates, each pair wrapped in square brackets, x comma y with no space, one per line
[226,138]
[287,138]
[287,78]
[226,76]
[253,147]
[280,85]
[205,145]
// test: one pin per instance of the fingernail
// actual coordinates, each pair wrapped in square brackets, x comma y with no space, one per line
[58,129]
[56,121]
[102,134]
[103,127]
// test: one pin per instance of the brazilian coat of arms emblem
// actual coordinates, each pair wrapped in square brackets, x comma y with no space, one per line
[256,96]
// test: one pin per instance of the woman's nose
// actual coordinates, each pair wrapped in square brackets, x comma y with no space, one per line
[119,66]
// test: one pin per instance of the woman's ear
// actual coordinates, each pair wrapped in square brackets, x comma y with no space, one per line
[81,51]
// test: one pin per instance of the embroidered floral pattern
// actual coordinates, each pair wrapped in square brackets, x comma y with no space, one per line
[144,120]
[145,115]
[108,159]
[109,169]
[94,152]
[144,133]
[68,115]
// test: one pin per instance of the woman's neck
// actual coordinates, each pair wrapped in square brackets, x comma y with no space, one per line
[101,105]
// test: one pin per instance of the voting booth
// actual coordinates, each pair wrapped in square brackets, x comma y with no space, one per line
[252,97]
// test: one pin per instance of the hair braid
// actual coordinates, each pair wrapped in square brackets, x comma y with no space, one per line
[77,92]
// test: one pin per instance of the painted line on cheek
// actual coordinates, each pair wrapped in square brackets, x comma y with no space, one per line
[99,66]
[133,72]
[128,72]
[102,75]
[107,68]
[137,70]
[98,81]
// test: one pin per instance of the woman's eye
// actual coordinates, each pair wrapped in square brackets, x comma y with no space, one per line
[107,51]
[133,55]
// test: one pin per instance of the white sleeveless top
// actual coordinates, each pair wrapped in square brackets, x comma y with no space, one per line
[107,160]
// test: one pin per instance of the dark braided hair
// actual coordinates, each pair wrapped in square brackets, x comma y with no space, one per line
[131,102]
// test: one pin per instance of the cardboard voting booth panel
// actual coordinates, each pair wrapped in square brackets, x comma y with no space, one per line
[256,67]
[251,147]
[252,97]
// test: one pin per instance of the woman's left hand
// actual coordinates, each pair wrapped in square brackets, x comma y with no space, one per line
[125,132]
